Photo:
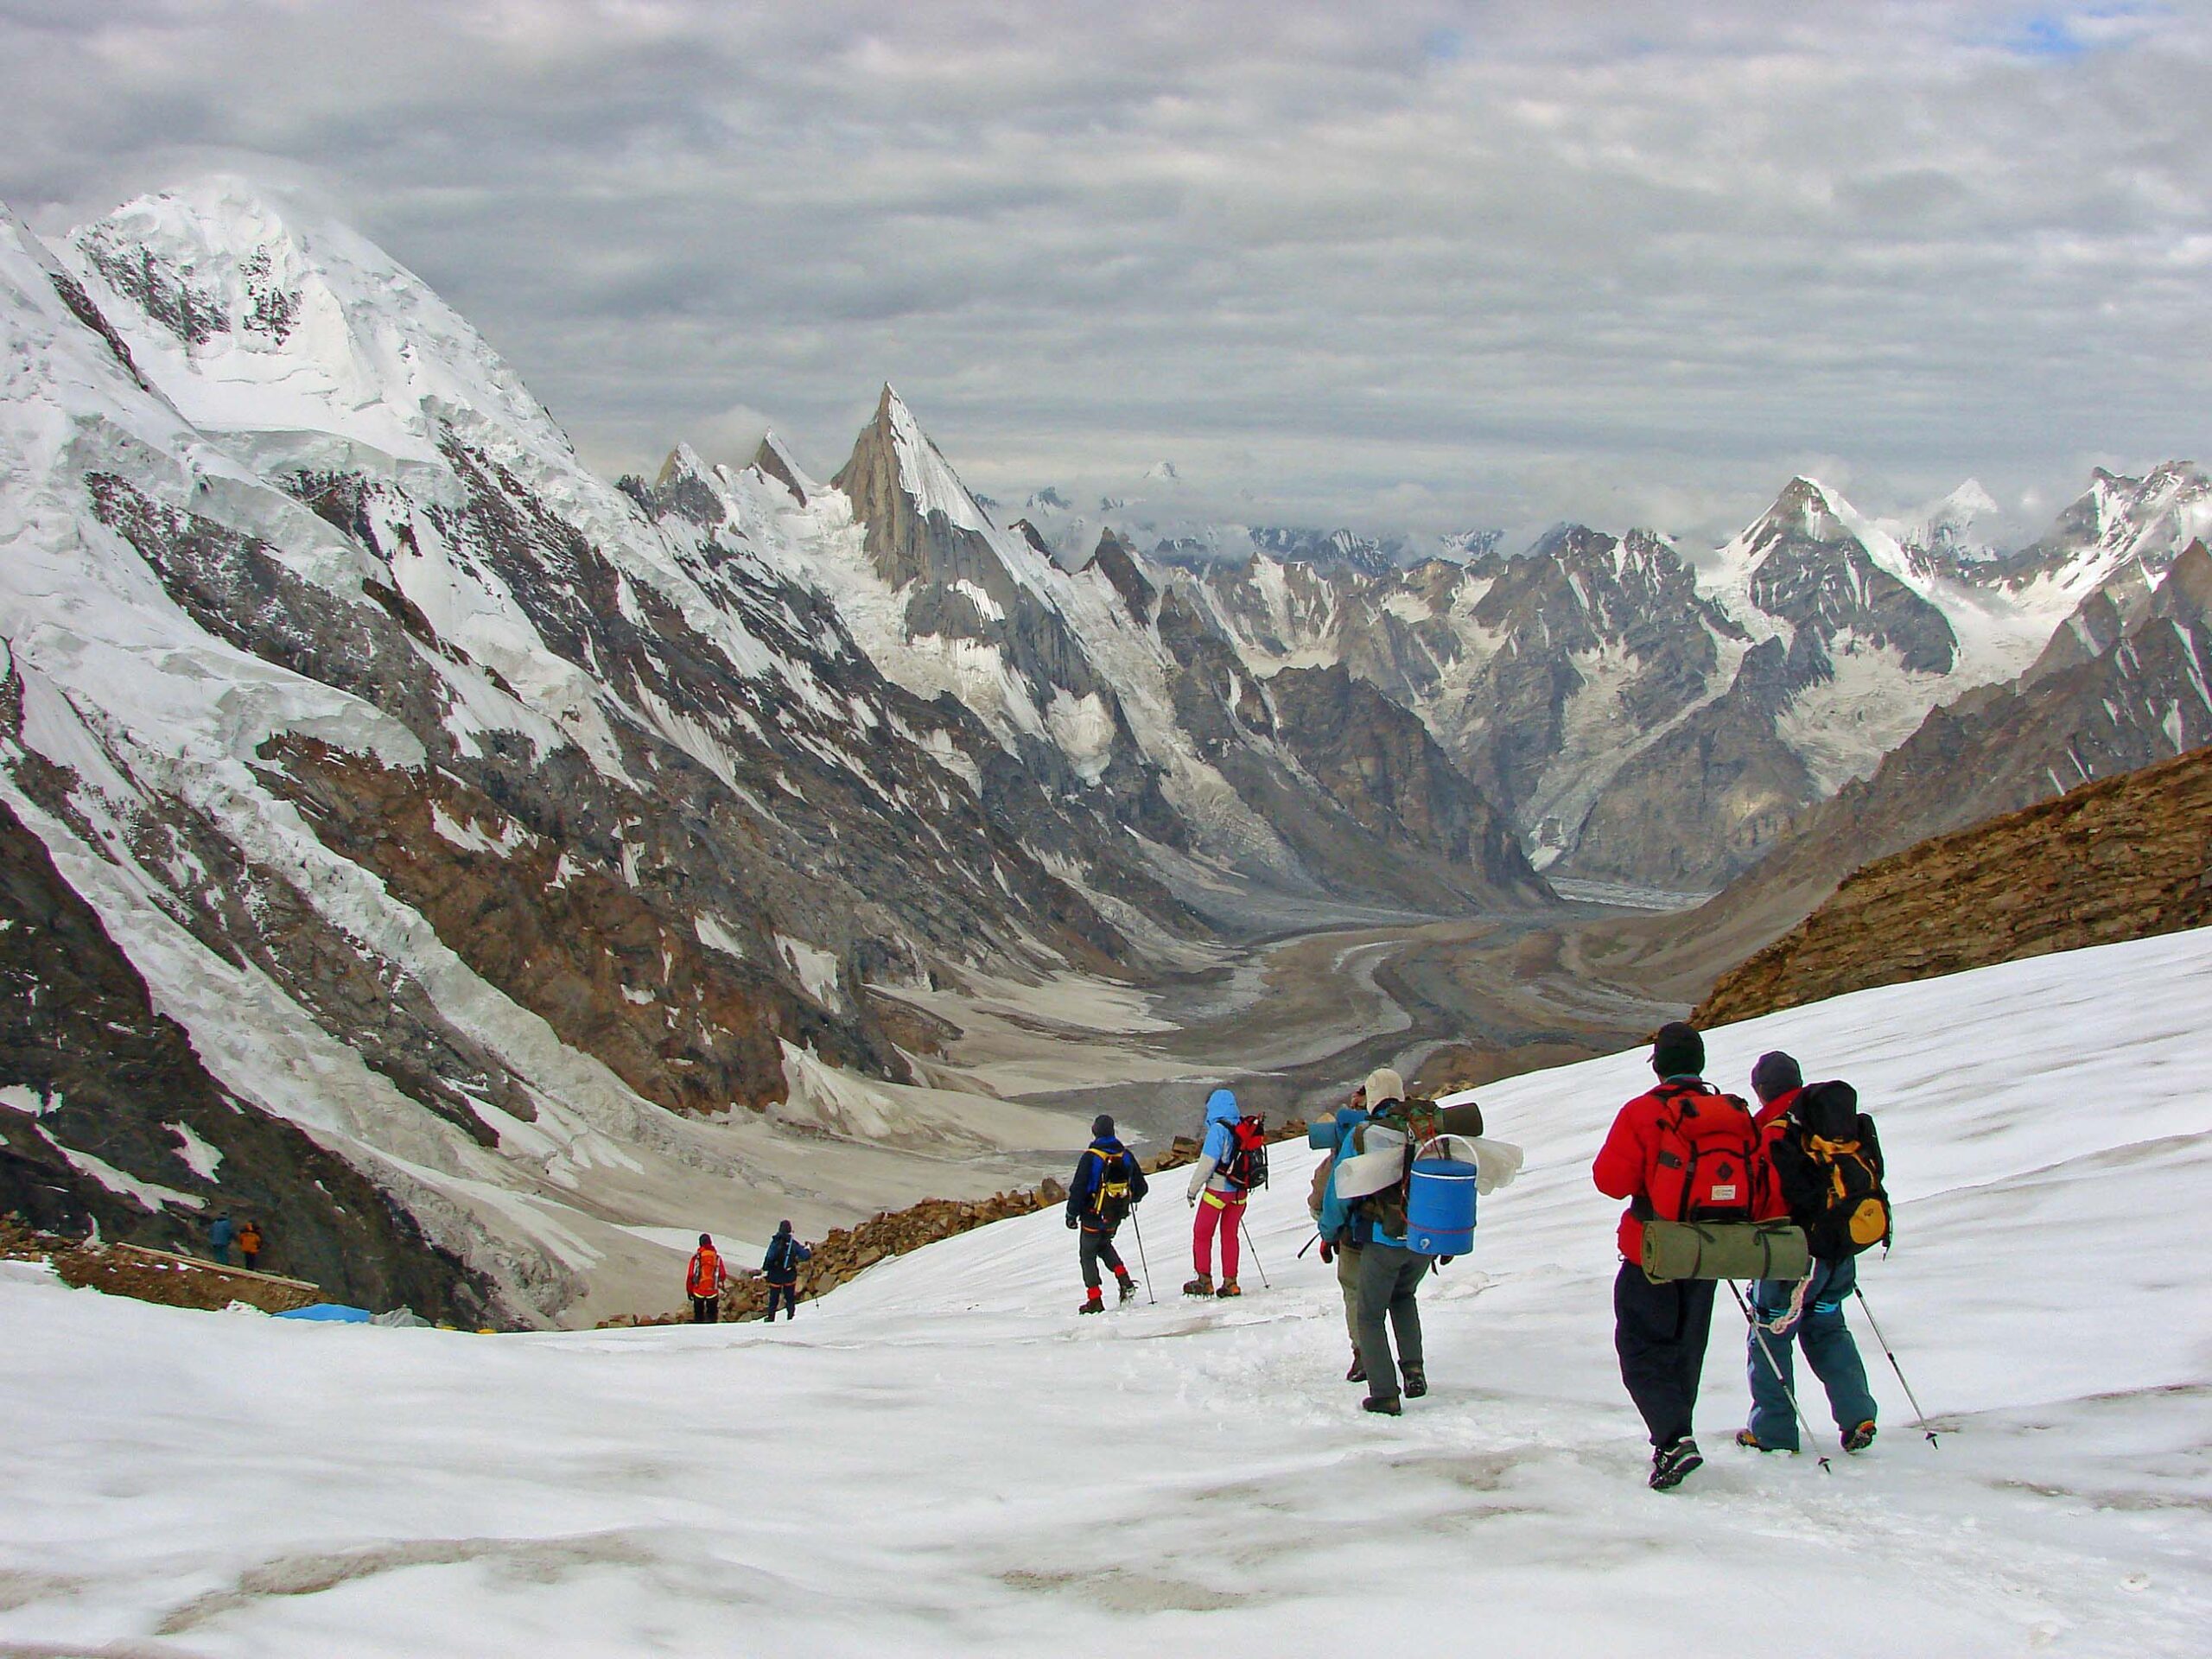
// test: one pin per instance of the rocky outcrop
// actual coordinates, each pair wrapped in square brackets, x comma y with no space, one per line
[1115,560]
[2122,858]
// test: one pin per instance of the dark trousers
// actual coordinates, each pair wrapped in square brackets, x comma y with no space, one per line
[705,1310]
[1389,1279]
[252,1258]
[1660,1333]
[1098,1246]
[789,1294]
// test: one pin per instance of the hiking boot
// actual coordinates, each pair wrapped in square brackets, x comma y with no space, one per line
[1382,1407]
[1670,1463]
[1201,1286]
[1860,1438]
[1416,1380]
[1093,1303]
[1752,1442]
[1128,1287]
[1229,1288]
[1359,1372]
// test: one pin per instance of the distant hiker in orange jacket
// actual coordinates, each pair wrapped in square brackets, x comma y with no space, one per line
[250,1244]
[703,1281]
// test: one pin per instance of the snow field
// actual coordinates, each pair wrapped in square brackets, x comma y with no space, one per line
[941,1458]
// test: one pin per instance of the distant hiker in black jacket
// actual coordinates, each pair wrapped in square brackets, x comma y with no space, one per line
[780,1267]
[1107,1184]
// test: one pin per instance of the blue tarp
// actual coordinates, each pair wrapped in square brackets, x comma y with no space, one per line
[330,1313]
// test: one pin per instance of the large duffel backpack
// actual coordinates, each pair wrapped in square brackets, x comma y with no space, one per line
[1709,1183]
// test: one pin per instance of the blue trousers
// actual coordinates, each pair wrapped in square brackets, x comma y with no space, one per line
[1829,1350]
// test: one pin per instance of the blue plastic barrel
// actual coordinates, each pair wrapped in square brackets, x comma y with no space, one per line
[1440,1207]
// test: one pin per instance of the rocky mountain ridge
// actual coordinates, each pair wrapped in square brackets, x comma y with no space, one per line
[2125,858]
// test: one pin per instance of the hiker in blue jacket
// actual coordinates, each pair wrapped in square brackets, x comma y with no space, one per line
[1389,1277]
[221,1236]
[1332,1219]
[1107,1185]
[780,1267]
[1218,1200]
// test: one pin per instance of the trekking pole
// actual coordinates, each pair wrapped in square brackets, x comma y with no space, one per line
[1302,1248]
[1150,1299]
[1758,1332]
[1927,1433]
[1254,1254]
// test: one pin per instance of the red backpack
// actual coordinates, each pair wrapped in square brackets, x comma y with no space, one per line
[1710,1163]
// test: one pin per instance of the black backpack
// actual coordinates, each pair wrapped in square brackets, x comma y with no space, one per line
[1110,1197]
[1246,1166]
[1850,1208]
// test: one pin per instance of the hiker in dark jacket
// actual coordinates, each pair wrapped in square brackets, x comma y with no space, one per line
[1659,1331]
[780,1268]
[1806,1313]
[1106,1186]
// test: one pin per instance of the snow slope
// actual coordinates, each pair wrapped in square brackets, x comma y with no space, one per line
[941,1458]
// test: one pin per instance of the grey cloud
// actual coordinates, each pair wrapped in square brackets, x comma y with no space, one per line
[1464,262]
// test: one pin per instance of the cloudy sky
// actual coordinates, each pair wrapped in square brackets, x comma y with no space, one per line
[1399,263]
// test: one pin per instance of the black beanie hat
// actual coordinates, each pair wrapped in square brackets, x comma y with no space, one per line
[1102,1127]
[1677,1050]
[1775,1076]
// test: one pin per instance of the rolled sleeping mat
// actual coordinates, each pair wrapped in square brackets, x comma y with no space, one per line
[1378,1167]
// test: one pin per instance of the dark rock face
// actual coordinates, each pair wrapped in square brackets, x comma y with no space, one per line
[118,1082]
[1379,762]
[1115,560]
[1707,797]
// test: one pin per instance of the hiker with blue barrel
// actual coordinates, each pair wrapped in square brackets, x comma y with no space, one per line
[1403,1193]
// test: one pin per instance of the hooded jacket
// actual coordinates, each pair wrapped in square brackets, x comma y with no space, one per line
[780,1265]
[1221,1140]
[1098,1157]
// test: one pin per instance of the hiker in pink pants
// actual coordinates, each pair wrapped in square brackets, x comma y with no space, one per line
[1220,1201]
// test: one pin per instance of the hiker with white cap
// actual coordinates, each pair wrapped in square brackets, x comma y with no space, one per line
[1368,1196]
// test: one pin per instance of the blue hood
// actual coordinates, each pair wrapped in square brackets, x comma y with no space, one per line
[1221,1106]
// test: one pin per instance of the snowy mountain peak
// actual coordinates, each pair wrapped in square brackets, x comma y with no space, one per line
[923,472]
[258,321]
[1162,472]
[1969,501]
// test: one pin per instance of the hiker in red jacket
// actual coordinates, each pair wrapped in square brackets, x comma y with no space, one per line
[1660,1330]
[703,1281]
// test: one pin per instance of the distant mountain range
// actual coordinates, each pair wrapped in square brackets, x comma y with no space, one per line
[444,815]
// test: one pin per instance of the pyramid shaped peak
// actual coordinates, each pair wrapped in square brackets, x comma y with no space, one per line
[773,459]
[894,446]
[682,462]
